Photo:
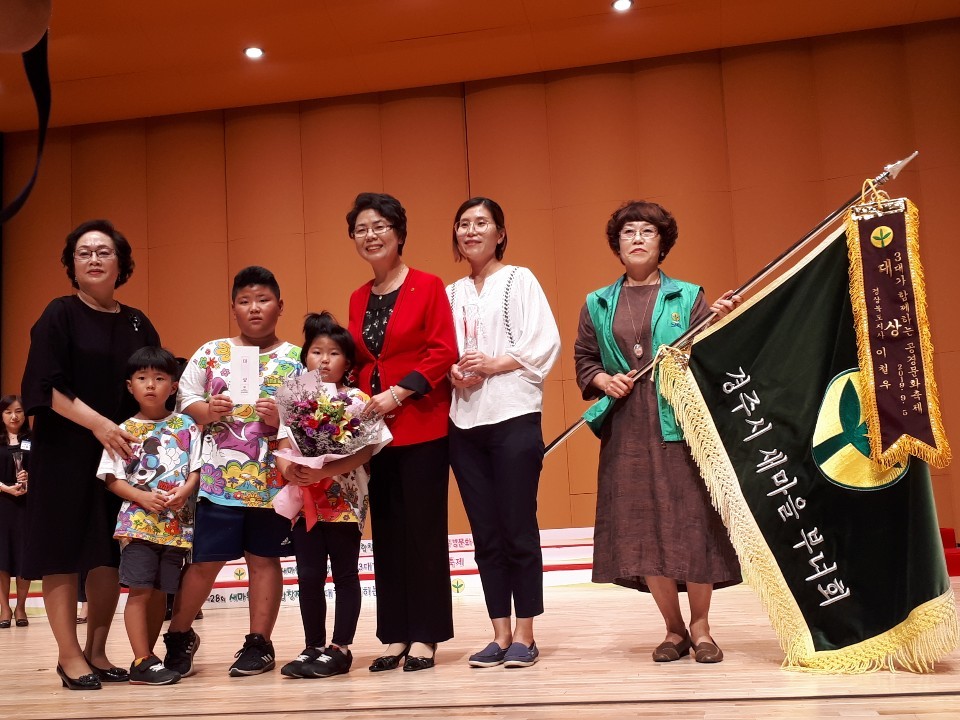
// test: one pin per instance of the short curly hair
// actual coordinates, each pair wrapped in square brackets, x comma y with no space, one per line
[124,251]
[385,205]
[641,210]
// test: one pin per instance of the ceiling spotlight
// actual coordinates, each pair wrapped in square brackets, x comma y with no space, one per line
[622,5]
[255,53]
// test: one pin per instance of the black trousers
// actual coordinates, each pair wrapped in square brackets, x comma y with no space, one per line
[498,471]
[339,541]
[408,510]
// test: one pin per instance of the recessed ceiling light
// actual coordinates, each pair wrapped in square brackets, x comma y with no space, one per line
[254,53]
[622,5]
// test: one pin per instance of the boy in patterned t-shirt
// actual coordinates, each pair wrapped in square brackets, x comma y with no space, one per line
[155,524]
[238,478]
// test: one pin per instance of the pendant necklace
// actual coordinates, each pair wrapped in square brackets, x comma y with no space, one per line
[393,284]
[637,346]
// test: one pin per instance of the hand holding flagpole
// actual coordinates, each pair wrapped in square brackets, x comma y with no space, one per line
[890,172]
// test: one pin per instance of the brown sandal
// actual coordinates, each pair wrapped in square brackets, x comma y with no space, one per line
[668,651]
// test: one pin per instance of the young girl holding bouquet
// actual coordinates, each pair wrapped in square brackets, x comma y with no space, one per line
[329,348]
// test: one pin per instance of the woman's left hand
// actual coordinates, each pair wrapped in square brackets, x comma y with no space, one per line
[725,304]
[303,476]
[478,363]
[385,403]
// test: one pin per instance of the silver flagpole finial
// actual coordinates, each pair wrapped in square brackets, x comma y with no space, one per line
[891,171]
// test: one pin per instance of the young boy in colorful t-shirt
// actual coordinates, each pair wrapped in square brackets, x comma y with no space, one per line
[155,525]
[239,478]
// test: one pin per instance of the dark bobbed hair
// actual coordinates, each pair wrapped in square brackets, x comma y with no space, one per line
[124,251]
[5,402]
[496,212]
[154,358]
[254,275]
[651,212]
[387,206]
[324,324]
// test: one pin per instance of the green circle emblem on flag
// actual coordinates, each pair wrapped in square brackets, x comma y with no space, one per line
[881,236]
[841,447]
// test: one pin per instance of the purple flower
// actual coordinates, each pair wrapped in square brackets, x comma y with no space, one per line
[212,481]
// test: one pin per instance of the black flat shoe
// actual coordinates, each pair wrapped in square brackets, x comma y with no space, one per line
[111,674]
[389,662]
[22,622]
[412,664]
[4,624]
[84,682]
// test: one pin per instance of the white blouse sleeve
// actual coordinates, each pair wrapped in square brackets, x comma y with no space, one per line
[536,339]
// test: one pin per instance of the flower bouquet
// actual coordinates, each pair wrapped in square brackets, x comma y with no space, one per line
[324,424]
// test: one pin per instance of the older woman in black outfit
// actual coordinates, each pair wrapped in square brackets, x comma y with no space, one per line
[74,386]
[14,463]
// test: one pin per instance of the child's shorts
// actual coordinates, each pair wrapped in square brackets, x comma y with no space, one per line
[148,565]
[223,533]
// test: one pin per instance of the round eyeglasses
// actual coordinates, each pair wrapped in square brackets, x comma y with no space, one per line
[362,232]
[480,225]
[647,233]
[103,253]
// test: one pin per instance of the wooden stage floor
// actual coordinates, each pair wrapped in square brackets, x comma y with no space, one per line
[595,643]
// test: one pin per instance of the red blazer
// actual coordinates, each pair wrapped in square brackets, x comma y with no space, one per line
[420,336]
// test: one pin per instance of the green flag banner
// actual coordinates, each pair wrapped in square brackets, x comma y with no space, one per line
[845,554]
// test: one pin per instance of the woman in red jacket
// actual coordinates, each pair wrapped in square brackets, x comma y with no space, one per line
[405,345]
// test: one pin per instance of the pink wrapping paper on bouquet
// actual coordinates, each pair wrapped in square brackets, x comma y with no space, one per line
[323,424]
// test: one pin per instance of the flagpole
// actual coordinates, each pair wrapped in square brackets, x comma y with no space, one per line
[890,172]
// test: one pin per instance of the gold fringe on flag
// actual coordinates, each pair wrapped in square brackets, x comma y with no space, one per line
[927,635]
[940,455]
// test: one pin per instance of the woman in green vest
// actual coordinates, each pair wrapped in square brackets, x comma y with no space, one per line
[655,530]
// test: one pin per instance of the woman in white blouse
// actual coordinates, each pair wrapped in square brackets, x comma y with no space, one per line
[508,342]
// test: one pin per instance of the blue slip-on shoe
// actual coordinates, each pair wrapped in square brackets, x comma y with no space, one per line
[491,656]
[519,655]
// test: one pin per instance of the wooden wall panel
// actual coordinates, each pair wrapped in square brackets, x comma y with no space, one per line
[932,56]
[341,156]
[187,229]
[424,166]
[749,148]
[32,243]
[591,130]
[109,180]
[774,150]
[265,203]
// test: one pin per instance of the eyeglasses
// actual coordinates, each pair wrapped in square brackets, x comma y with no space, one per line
[103,253]
[647,233]
[480,225]
[362,232]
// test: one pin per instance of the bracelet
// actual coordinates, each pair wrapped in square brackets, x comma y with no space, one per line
[396,399]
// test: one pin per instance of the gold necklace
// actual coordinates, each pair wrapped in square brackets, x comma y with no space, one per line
[393,284]
[637,347]
[97,307]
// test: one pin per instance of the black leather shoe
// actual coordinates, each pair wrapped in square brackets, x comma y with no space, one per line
[412,664]
[388,662]
[111,674]
[84,682]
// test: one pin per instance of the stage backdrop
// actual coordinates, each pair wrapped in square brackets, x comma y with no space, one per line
[748,147]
